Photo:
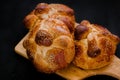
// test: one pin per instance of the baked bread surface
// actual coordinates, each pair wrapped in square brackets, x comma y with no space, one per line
[50,45]
[94,46]
[46,11]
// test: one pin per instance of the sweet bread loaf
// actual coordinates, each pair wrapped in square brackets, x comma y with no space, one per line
[94,46]
[46,11]
[50,45]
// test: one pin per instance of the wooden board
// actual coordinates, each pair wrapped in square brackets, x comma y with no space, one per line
[74,73]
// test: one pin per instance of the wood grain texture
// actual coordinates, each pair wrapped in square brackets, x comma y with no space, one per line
[74,73]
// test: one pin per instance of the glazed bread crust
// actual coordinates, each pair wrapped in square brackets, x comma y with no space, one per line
[46,11]
[94,46]
[50,45]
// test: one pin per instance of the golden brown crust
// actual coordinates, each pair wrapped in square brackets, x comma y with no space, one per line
[30,20]
[50,45]
[97,47]
[56,11]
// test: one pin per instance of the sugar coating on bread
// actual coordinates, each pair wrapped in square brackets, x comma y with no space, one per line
[94,46]
[46,11]
[50,45]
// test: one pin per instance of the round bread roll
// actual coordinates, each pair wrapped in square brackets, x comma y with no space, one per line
[46,11]
[50,45]
[94,46]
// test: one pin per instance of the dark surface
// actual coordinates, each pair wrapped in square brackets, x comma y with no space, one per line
[12,30]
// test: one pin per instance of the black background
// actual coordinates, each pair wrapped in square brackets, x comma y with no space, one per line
[12,30]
